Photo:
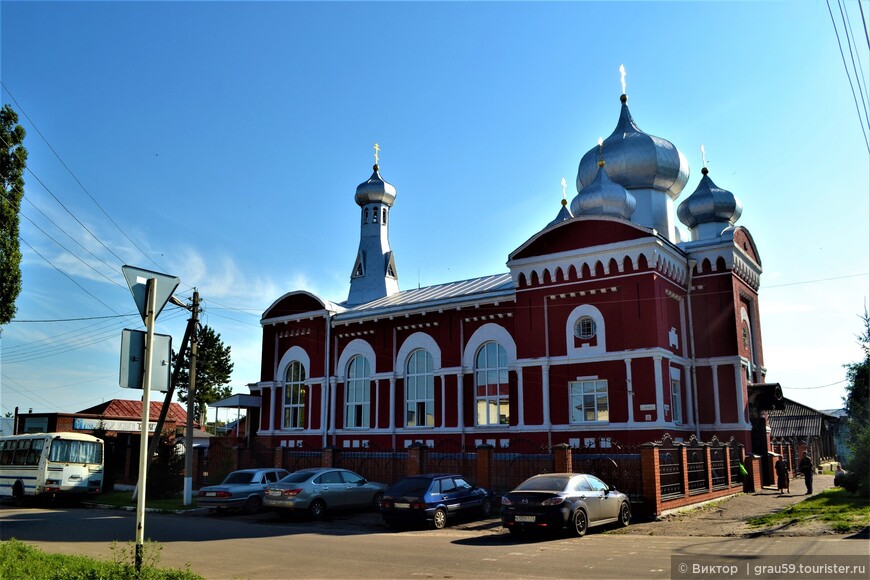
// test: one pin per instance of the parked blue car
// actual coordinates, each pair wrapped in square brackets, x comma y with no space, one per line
[434,497]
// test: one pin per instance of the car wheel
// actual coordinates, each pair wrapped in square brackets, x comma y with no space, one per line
[317,510]
[253,505]
[376,502]
[439,519]
[581,523]
[624,514]
[486,507]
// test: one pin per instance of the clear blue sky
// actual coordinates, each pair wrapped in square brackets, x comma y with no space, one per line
[226,140]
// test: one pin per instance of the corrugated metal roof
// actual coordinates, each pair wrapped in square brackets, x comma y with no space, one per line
[133,410]
[499,284]
[797,420]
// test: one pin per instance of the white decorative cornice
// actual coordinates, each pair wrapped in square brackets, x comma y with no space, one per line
[665,258]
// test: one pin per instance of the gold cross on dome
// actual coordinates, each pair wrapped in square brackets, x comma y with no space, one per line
[377,150]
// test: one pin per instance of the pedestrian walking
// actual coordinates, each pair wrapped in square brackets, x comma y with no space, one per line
[807,468]
[781,468]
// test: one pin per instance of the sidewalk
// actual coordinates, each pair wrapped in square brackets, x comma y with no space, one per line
[727,517]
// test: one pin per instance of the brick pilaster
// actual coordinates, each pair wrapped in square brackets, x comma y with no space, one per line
[562,459]
[649,467]
[483,466]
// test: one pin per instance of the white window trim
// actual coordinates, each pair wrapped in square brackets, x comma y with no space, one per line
[301,402]
[585,350]
[489,398]
[427,376]
[571,404]
[366,402]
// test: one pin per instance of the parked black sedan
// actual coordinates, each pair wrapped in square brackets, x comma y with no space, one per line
[572,501]
[434,497]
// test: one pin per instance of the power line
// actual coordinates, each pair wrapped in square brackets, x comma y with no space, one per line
[76,319]
[105,213]
[849,76]
[811,388]
[67,275]
[67,234]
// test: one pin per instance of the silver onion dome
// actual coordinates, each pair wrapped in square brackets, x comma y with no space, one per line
[709,204]
[375,190]
[563,215]
[637,160]
[603,196]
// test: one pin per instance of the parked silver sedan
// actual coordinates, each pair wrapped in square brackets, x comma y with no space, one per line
[242,489]
[317,490]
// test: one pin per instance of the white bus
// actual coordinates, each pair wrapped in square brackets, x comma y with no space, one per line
[50,465]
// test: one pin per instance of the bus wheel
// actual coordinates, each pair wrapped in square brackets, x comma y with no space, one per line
[18,493]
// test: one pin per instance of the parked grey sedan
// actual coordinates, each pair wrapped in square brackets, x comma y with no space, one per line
[317,490]
[242,489]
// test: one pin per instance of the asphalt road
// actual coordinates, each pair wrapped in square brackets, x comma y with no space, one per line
[359,546]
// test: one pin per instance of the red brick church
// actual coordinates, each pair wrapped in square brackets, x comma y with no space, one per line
[607,326]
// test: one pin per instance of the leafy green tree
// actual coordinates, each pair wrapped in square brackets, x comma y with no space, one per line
[857,402]
[13,160]
[213,370]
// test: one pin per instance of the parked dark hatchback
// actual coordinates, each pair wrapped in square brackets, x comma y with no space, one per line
[572,501]
[434,497]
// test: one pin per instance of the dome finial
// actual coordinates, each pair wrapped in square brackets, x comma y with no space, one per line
[623,98]
[600,152]
[564,192]
[704,170]
[377,149]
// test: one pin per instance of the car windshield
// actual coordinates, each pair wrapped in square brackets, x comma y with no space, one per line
[547,483]
[239,477]
[298,477]
[411,486]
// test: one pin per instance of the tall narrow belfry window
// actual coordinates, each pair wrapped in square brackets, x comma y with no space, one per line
[357,394]
[589,402]
[491,385]
[419,390]
[294,396]
[384,216]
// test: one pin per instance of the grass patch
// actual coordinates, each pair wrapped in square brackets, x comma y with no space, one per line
[19,560]
[843,511]
[125,499]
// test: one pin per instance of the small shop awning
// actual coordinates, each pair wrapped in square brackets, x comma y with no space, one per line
[239,402]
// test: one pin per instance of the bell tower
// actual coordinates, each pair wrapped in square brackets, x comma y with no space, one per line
[374,272]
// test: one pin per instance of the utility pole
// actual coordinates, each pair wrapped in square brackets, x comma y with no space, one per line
[191,397]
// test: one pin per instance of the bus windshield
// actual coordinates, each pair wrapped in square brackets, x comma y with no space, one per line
[70,451]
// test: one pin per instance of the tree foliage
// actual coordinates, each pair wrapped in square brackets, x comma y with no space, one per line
[213,370]
[857,402]
[13,160]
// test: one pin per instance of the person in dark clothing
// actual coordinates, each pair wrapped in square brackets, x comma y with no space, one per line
[807,468]
[781,468]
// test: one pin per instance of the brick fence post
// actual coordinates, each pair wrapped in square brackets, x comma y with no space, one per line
[279,457]
[483,466]
[562,459]
[752,463]
[708,462]
[416,459]
[649,468]
[329,457]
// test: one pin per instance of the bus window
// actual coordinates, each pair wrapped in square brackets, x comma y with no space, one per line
[35,452]
[69,451]
[23,448]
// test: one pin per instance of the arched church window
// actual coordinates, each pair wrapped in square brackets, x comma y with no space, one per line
[357,393]
[420,390]
[365,215]
[294,396]
[491,385]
